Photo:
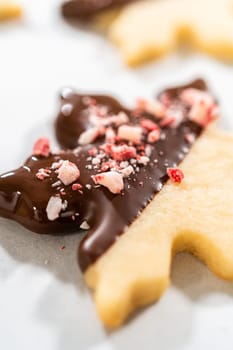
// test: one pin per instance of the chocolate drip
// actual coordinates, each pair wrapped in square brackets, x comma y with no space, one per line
[84,9]
[24,198]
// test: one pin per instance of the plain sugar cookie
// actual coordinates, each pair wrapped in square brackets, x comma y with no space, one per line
[194,216]
[9,10]
[150,29]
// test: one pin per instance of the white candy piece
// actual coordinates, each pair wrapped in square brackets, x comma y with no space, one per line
[111,179]
[192,96]
[156,108]
[130,133]
[84,226]
[54,208]
[127,171]
[199,113]
[153,136]
[203,107]
[110,135]
[88,136]
[144,160]
[119,119]
[68,172]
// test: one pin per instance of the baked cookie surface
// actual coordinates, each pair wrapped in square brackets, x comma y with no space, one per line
[9,10]
[149,29]
[195,216]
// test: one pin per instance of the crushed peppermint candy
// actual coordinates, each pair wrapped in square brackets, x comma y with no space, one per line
[203,108]
[42,174]
[130,133]
[127,171]
[84,225]
[54,207]
[148,150]
[99,120]
[148,124]
[41,147]
[110,135]
[119,119]
[64,205]
[200,113]
[167,121]
[191,96]
[111,179]
[155,107]
[88,136]
[123,152]
[143,160]
[56,184]
[76,187]
[125,143]
[175,174]
[190,138]
[68,172]
[153,136]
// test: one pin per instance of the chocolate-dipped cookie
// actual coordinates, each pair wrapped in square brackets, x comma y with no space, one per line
[133,179]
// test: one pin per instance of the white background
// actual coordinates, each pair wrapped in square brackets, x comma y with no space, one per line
[44,304]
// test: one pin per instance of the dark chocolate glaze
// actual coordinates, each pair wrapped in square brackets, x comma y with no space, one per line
[24,198]
[69,128]
[116,212]
[174,92]
[84,9]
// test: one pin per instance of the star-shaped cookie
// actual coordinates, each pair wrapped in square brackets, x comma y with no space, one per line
[146,183]
[151,28]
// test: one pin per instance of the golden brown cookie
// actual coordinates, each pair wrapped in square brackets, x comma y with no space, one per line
[194,216]
[149,29]
[9,10]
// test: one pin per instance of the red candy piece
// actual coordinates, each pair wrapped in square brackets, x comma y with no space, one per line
[175,174]
[42,147]
[148,124]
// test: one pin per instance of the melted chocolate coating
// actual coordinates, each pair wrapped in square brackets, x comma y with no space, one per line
[69,128]
[116,212]
[24,198]
[84,9]
[174,92]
